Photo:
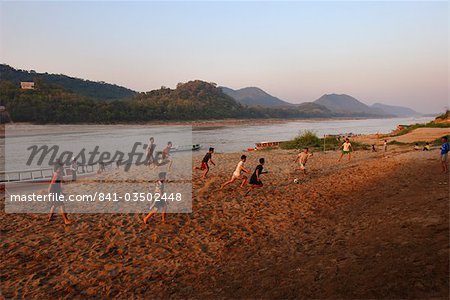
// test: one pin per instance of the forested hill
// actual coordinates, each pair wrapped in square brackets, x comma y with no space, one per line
[191,100]
[86,88]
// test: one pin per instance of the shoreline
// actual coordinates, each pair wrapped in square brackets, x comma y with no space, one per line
[206,123]
[22,128]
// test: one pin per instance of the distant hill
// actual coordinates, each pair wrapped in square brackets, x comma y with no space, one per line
[347,105]
[398,111]
[254,96]
[86,88]
[314,108]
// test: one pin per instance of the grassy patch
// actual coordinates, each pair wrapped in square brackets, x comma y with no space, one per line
[311,140]
[396,143]
[436,142]
[427,125]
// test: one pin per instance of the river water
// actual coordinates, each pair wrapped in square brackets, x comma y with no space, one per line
[227,138]
[236,138]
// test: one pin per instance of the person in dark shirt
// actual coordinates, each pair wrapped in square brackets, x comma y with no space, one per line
[55,189]
[149,153]
[255,179]
[445,148]
[207,158]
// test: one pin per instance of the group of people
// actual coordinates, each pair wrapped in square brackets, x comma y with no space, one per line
[427,147]
[239,174]
[151,157]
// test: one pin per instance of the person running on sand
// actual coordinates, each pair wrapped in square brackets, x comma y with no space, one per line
[207,158]
[55,189]
[101,167]
[149,159]
[74,169]
[302,158]
[166,156]
[346,149]
[255,179]
[385,145]
[159,204]
[445,148]
[237,173]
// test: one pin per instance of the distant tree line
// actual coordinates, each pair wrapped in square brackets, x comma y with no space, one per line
[194,100]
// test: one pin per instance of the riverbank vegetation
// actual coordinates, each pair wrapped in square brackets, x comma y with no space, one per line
[309,139]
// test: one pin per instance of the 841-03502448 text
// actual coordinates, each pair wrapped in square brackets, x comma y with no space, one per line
[97,196]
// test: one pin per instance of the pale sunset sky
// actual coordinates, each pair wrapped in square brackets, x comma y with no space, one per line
[390,52]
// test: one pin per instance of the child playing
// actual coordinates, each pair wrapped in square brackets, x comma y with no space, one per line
[150,152]
[445,148]
[255,179]
[302,158]
[55,188]
[159,205]
[205,167]
[346,149]
[237,174]
[166,159]
[426,147]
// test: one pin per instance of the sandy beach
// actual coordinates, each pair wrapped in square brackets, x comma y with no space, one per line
[418,135]
[375,227]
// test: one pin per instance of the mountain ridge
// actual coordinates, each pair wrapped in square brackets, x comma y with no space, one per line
[399,111]
[346,104]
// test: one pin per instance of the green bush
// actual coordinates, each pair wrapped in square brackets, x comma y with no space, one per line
[306,138]
[309,139]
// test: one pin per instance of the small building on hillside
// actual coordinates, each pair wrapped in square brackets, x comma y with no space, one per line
[26,85]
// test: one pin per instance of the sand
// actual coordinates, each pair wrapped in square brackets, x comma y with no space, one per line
[417,135]
[375,227]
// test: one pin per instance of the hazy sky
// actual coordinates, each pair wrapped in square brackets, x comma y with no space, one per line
[389,52]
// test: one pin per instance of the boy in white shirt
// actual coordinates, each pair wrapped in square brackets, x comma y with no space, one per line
[237,174]
[346,149]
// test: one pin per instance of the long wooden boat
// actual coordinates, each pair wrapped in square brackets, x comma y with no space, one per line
[265,145]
